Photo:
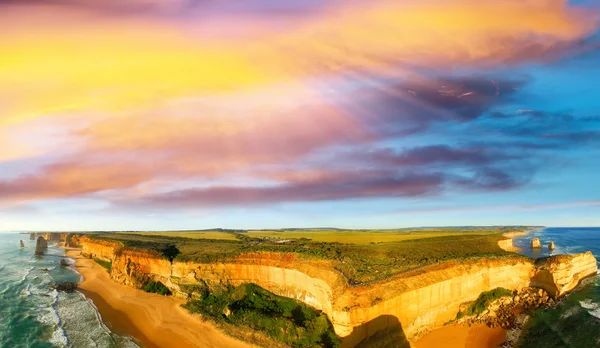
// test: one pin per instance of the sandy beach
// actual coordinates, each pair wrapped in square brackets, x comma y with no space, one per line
[153,320]
[462,336]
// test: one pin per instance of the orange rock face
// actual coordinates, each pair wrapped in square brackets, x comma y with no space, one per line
[419,301]
[562,273]
[49,236]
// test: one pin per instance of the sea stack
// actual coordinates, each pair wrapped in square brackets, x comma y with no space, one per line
[22,244]
[535,243]
[551,246]
[41,246]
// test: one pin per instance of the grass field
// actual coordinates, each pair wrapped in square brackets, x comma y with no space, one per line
[362,256]
[363,237]
[190,234]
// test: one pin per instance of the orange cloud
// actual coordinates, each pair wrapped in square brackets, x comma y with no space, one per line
[81,60]
[184,104]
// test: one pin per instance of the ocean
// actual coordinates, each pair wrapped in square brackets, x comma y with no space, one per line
[576,321]
[34,315]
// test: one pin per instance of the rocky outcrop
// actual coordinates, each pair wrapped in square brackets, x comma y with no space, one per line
[22,244]
[505,311]
[535,243]
[420,301]
[506,244]
[41,246]
[562,273]
[551,246]
[65,286]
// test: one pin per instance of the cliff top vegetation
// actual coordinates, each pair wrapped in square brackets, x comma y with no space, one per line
[361,262]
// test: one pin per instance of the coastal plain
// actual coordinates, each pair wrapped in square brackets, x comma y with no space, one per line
[412,286]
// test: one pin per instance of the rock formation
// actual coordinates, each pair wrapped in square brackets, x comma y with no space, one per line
[22,244]
[562,273]
[551,246]
[535,243]
[65,286]
[49,236]
[420,301]
[41,246]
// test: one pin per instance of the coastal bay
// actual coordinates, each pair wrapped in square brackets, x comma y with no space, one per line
[154,320]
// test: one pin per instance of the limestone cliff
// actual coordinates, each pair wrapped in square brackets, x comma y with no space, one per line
[420,301]
[561,273]
[41,246]
[49,236]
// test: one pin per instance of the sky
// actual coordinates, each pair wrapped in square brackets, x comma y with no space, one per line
[192,114]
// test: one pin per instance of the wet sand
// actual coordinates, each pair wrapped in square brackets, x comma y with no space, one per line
[462,336]
[155,321]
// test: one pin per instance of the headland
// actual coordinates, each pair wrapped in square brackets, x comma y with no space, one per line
[410,290]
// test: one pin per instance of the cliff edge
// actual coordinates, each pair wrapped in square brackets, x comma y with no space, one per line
[419,301]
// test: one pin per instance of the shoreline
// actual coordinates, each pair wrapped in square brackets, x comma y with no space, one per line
[465,335]
[154,321]
[507,244]
[461,336]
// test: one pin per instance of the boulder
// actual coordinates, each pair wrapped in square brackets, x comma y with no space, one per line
[65,286]
[22,244]
[40,246]
[551,246]
[535,243]
[64,262]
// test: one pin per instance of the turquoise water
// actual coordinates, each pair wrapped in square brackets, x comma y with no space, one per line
[576,321]
[34,315]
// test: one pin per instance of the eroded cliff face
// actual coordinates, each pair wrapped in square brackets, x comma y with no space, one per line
[420,301]
[103,250]
[562,273]
[49,236]
[506,244]
[423,301]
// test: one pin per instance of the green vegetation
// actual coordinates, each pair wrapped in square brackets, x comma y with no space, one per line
[367,236]
[360,262]
[191,234]
[105,264]
[568,325]
[484,300]
[157,288]
[282,319]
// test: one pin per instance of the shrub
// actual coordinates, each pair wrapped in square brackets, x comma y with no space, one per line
[157,288]
[105,264]
[484,300]
[283,319]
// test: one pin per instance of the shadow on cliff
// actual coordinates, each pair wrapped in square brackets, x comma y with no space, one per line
[382,332]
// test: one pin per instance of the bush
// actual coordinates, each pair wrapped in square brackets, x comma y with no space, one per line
[283,319]
[485,299]
[105,264]
[157,288]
